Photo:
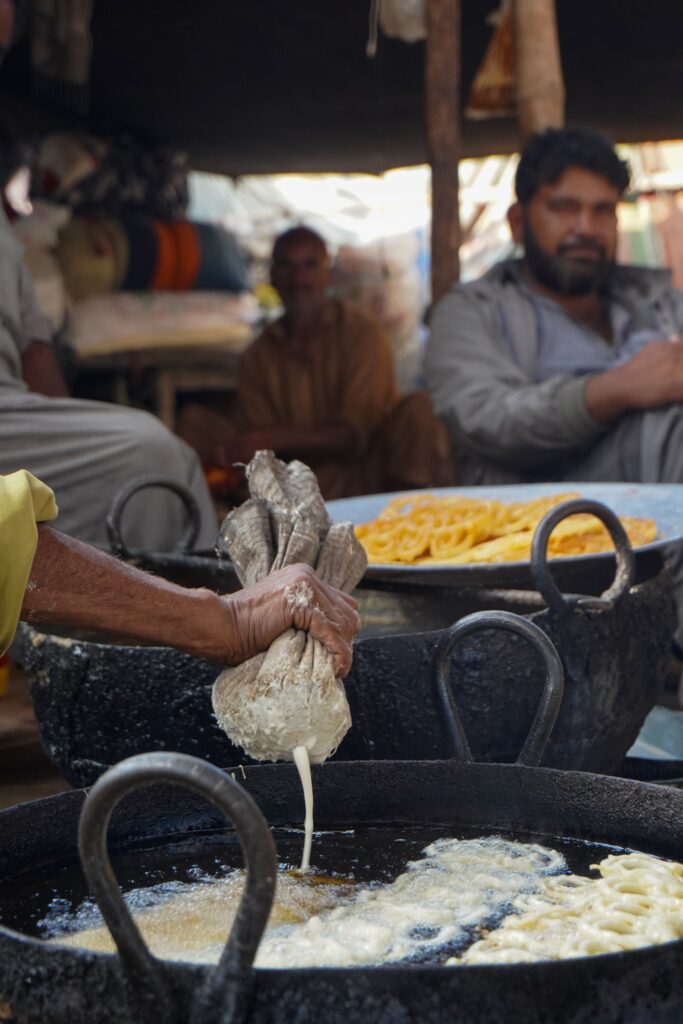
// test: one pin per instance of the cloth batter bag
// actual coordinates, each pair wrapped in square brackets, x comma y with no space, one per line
[288,696]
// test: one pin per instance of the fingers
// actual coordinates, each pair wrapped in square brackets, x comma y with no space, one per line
[336,606]
[296,596]
[328,614]
[331,636]
[338,611]
[350,601]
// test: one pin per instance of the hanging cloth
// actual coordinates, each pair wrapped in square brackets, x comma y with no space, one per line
[398,19]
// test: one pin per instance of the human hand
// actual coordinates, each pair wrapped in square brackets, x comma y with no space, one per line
[654,376]
[68,578]
[292,597]
[649,380]
[42,372]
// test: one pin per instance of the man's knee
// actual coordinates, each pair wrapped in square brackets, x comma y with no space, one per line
[204,429]
[661,447]
[419,437]
[151,447]
[414,409]
[414,417]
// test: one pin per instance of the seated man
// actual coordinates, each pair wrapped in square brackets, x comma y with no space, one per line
[319,385]
[563,365]
[85,451]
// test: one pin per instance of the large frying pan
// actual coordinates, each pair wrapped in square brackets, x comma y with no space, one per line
[54,985]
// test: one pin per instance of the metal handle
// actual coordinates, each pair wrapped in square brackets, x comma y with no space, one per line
[553,684]
[625,573]
[139,483]
[222,997]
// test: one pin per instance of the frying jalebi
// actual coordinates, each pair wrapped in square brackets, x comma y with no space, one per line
[428,530]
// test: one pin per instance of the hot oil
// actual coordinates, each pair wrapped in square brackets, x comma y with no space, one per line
[55,899]
[191,921]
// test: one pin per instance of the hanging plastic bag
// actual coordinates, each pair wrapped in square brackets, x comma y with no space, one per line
[492,93]
[398,19]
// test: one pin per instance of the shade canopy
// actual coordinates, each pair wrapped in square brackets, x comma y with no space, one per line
[275,85]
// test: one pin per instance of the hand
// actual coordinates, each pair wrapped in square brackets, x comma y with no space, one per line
[68,579]
[651,379]
[294,596]
[656,374]
[41,370]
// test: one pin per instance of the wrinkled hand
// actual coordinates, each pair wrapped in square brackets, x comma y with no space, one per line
[294,596]
[654,376]
[651,379]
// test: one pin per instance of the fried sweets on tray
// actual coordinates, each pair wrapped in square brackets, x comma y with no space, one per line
[424,529]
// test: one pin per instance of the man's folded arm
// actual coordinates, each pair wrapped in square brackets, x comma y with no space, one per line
[489,403]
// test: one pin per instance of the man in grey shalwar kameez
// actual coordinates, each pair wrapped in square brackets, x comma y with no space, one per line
[85,451]
[563,365]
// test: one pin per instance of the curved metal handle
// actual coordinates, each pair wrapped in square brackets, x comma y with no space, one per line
[553,684]
[139,483]
[625,573]
[222,998]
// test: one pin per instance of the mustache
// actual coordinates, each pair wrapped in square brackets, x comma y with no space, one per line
[582,243]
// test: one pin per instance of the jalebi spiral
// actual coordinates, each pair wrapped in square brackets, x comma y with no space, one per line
[426,529]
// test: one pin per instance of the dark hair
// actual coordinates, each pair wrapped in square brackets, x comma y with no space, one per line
[299,233]
[547,155]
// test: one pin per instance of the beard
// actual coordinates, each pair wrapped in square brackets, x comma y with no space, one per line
[564,273]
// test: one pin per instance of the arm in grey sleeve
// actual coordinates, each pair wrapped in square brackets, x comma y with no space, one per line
[34,325]
[675,297]
[489,403]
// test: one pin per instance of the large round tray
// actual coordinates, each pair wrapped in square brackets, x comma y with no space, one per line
[661,502]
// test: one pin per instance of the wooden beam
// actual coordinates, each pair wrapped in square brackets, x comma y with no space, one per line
[442,97]
[538,69]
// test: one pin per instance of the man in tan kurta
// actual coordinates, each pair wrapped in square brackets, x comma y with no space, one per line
[319,385]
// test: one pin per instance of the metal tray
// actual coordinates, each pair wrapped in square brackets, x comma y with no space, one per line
[661,502]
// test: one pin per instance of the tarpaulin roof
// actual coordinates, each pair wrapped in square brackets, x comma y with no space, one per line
[284,85]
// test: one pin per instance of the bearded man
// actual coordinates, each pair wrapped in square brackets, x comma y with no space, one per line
[564,365]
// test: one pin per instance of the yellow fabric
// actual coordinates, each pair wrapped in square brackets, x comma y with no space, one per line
[24,501]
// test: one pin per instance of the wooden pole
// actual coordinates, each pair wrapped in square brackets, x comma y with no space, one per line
[442,97]
[538,70]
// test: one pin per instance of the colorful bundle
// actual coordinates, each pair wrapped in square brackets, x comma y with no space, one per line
[99,254]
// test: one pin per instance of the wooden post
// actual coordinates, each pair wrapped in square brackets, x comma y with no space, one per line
[538,70]
[442,97]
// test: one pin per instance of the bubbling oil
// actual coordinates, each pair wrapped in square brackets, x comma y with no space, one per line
[438,904]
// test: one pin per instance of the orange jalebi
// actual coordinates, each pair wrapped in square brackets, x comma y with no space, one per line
[428,530]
